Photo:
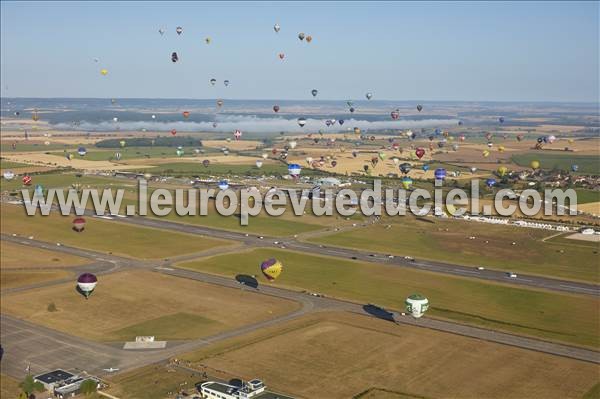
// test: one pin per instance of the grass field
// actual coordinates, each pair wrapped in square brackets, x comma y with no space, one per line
[9,387]
[58,180]
[448,241]
[587,196]
[569,318]
[196,168]
[105,154]
[22,146]
[153,382]
[587,163]
[393,361]
[11,165]
[132,303]
[16,256]
[12,279]
[105,236]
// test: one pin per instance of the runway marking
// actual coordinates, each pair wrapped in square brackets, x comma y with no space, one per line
[580,288]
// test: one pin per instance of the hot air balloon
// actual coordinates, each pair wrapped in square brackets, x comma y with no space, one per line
[38,191]
[485,153]
[86,284]
[179,30]
[276,28]
[473,169]
[501,119]
[419,152]
[8,175]
[301,36]
[309,160]
[161,31]
[535,165]
[173,132]
[357,130]
[440,174]
[341,122]
[259,163]
[455,147]
[419,107]
[308,38]
[416,305]
[314,92]
[490,182]
[294,170]
[179,151]
[205,163]
[153,116]
[207,40]
[281,56]
[226,83]
[366,168]
[405,167]
[395,115]
[502,170]
[186,114]
[369,95]
[351,110]
[79,224]
[381,155]
[118,156]
[271,268]
[174,57]
[301,122]
[551,139]
[27,180]
[81,151]
[276,108]
[574,168]
[425,167]
[104,72]
[213,81]
[519,137]
[122,143]
[223,185]
[334,163]
[219,103]
[407,182]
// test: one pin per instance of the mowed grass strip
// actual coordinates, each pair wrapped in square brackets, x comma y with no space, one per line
[17,256]
[105,236]
[144,303]
[12,279]
[448,241]
[364,353]
[567,318]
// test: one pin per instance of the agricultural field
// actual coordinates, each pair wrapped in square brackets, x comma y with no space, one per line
[588,164]
[378,359]
[9,387]
[59,180]
[553,316]
[448,241]
[17,256]
[587,196]
[11,165]
[13,278]
[131,303]
[126,240]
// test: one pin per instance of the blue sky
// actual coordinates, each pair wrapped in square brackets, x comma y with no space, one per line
[537,51]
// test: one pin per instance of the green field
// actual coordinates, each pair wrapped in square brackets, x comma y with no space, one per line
[105,154]
[196,168]
[102,235]
[23,146]
[448,241]
[4,164]
[58,180]
[567,318]
[587,163]
[587,196]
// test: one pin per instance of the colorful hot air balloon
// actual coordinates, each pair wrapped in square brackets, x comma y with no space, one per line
[395,115]
[485,153]
[122,143]
[86,283]
[535,165]
[416,305]
[490,182]
[407,182]
[186,114]
[271,268]
[8,175]
[357,130]
[118,156]
[104,72]
[574,168]
[425,167]
[308,38]
[419,152]
[213,81]
[79,224]
[179,151]
[294,170]
[237,134]
[173,132]
[226,82]
[440,174]
[81,151]
[223,185]
[205,163]
[27,180]
[502,170]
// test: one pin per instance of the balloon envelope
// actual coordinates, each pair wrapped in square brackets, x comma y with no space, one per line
[271,268]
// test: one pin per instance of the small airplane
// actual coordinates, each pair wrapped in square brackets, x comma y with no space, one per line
[111,370]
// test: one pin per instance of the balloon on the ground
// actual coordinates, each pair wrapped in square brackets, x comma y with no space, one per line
[79,224]
[81,151]
[416,305]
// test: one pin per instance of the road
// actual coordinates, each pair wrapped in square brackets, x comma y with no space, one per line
[42,348]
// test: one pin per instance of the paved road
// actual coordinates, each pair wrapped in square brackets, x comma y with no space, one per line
[431,266]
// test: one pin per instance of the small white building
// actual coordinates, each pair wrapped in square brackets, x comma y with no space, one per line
[252,389]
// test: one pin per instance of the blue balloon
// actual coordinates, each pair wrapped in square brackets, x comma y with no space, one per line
[341,122]
[294,169]
[440,174]
[574,168]
[223,185]
[490,182]
[425,167]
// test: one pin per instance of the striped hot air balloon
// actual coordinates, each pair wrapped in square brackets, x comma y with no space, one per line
[27,180]
[79,224]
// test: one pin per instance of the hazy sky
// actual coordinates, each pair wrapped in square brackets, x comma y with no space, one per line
[546,51]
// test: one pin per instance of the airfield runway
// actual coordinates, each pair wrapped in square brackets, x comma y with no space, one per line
[27,344]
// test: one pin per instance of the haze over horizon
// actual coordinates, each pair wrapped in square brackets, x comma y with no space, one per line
[522,52]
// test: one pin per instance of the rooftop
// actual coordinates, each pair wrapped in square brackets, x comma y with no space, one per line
[53,376]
